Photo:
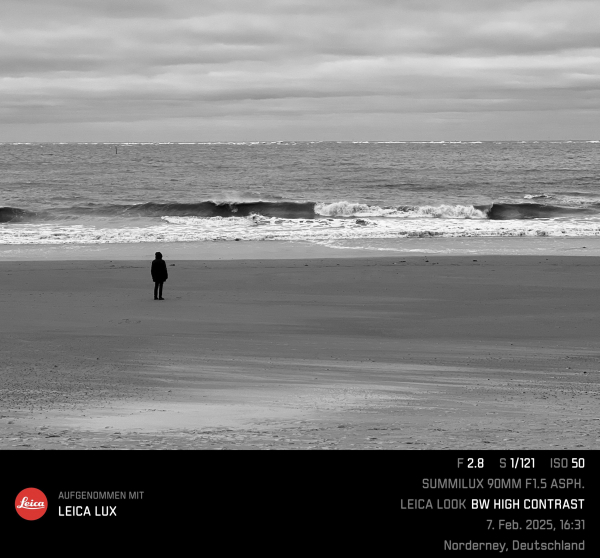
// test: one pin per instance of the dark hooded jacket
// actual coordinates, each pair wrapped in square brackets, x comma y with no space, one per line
[159,271]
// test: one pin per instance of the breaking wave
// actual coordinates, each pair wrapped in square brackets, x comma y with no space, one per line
[15,215]
[287,209]
[537,211]
[346,209]
[308,210]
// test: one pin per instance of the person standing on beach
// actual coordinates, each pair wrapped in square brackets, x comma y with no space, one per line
[159,275]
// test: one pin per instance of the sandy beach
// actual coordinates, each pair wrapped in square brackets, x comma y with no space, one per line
[403,352]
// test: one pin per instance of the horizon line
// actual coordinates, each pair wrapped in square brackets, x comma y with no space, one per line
[242,142]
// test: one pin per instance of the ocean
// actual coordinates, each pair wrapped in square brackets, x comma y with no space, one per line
[335,194]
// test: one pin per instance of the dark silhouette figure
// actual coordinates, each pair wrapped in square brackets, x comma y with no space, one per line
[159,275]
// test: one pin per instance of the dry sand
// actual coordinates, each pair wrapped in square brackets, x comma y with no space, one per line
[404,352]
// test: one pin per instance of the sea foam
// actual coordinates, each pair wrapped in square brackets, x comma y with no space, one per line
[256,227]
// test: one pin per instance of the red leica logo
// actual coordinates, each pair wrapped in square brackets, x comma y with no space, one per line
[31,504]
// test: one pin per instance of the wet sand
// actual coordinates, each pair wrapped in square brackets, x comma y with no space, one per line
[455,352]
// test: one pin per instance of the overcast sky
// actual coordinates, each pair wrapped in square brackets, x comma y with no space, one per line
[238,70]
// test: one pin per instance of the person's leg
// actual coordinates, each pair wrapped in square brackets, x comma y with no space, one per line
[155,290]
[160,290]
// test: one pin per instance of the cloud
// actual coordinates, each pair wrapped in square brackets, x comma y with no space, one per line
[78,62]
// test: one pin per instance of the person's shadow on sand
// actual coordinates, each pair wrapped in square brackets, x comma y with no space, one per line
[159,275]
